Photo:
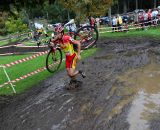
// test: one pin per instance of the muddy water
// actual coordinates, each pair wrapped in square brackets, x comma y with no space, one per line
[144,82]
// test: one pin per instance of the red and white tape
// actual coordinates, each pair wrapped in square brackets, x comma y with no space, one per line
[26,76]
[25,59]
[20,45]
[130,25]
[138,27]
[23,77]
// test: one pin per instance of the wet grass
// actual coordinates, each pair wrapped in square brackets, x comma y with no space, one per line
[4,42]
[152,32]
[26,67]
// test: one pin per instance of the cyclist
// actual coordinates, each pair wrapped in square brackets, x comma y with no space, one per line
[66,44]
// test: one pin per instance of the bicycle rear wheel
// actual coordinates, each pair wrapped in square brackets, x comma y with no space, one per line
[88,35]
[54,60]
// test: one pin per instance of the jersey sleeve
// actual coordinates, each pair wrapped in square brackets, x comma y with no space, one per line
[68,39]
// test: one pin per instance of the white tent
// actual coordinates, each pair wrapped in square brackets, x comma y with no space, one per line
[38,26]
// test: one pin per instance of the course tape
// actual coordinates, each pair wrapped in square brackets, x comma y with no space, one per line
[23,46]
[26,76]
[24,59]
[126,29]
[131,24]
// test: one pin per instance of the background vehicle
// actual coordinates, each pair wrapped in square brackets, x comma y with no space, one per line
[105,20]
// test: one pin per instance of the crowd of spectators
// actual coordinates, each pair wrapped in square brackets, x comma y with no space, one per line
[138,17]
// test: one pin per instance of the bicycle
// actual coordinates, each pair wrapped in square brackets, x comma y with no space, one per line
[88,35]
[54,57]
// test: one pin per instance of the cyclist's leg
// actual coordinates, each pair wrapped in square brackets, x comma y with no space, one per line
[71,65]
[71,68]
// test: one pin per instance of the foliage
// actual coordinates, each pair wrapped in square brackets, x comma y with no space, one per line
[3,17]
[15,25]
[85,8]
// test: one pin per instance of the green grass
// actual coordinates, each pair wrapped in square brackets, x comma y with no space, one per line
[26,67]
[4,42]
[153,32]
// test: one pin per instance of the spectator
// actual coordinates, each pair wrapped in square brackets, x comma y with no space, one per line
[145,19]
[154,16]
[136,18]
[119,22]
[149,16]
[91,21]
[114,24]
[98,22]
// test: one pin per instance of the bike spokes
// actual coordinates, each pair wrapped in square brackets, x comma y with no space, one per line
[54,59]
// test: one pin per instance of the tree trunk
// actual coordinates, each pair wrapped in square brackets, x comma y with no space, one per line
[128,8]
[136,4]
[109,11]
[68,15]
[117,7]
[124,6]
[155,3]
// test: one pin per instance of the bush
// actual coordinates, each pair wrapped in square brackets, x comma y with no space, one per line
[13,25]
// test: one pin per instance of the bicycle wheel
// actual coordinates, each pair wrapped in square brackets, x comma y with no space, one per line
[54,60]
[88,35]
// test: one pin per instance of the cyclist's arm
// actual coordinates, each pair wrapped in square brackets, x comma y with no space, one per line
[78,44]
[55,39]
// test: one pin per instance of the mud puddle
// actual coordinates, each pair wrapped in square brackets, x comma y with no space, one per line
[144,84]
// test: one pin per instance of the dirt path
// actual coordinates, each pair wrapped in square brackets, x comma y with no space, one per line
[113,95]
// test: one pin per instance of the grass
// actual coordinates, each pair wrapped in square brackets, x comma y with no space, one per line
[153,32]
[4,42]
[26,67]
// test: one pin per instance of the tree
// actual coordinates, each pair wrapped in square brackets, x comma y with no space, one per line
[124,6]
[136,4]
[155,3]
[85,8]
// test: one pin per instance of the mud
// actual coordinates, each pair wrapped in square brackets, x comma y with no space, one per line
[121,92]
[22,49]
[19,48]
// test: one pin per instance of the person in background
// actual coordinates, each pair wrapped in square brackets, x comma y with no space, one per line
[114,24]
[154,16]
[91,21]
[149,16]
[119,22]
[145,20]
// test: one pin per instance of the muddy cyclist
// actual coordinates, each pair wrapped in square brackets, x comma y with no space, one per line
[66,44]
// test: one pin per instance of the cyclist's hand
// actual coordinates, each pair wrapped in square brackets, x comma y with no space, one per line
[79,57]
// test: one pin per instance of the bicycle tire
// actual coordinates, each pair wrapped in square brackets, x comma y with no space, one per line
[54,60]
[88,35]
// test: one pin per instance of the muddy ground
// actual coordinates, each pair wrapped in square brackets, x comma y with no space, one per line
[20,48]
[121,92]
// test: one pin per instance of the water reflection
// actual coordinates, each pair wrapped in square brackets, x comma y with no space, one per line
[144,84]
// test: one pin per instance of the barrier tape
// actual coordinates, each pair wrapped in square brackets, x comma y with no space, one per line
[18,53]
[124,29]
[26,76]
[23,46]
[25,59]
[132,24]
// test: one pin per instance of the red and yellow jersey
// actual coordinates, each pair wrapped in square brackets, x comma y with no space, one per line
[67,45]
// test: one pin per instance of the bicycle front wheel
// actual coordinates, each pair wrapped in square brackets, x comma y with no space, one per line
[88,35]
[54,60]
